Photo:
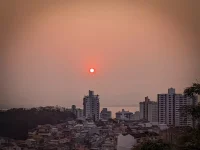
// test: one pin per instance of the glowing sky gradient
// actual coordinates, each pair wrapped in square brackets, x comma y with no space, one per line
[136,48]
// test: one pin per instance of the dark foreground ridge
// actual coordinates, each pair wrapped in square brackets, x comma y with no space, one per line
[15,122]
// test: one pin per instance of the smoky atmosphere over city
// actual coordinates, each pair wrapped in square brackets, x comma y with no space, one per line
[99,75]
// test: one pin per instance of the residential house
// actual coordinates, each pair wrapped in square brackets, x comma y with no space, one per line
[125,142]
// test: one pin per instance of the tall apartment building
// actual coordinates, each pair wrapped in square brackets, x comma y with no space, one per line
[136,115]
[169,109]
[153,111]
[149,110]
[79,113]
[91,106]
[73,109]
[144,109]
[162,109]
[105,114]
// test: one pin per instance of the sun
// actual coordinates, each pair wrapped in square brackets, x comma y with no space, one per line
[92,70]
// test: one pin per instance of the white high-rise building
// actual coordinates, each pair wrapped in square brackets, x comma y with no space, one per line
[169,109]
[91,106]
[162,108]
[153,111]
[149,110]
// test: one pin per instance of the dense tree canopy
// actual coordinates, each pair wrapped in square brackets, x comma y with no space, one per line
[190,140]
[194,110]
[154,145]
[193,90]
[16,122]
[100,123]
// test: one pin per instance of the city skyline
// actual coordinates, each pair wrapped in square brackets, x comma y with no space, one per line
[99,74]
[137,105]
[136,48]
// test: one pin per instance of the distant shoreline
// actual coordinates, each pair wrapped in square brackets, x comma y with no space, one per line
[121,106]
[70,106]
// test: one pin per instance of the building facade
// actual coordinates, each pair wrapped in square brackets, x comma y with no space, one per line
[149,110]
[105,114]
[124,115]
[169,109]
[153,111]
[180,102]
[162,108]
[73,109]
[144,109]
[79,113]
[91,106]
[136,115]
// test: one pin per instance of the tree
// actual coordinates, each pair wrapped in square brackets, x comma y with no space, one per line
[193,110]
[154,145]
[100,123]
[16,122]
[79,121]
[191,139]
[193,90]
[41,141]
[112,121]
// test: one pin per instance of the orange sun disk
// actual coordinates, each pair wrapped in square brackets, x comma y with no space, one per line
[91,70]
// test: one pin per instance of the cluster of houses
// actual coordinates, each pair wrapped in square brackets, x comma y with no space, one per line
[86,135]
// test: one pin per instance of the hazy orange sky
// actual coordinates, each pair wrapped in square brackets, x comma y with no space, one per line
[137,48]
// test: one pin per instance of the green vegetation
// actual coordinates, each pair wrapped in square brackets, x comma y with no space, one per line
[155,145]
[193,90]
[16,122]
[100,123]
[194,111]
[114,121]
[191,139]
